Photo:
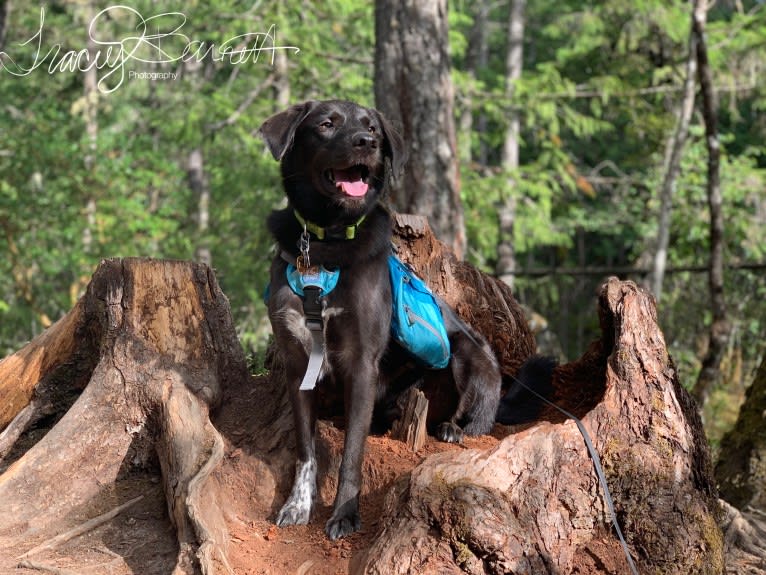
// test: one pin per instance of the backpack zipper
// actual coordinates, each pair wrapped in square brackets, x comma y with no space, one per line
[413,318]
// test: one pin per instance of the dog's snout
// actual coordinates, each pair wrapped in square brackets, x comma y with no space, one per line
[364,140]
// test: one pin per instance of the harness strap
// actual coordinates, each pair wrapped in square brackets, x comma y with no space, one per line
[316,357]
[312,309]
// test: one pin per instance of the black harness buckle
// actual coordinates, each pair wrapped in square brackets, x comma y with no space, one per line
[312,307]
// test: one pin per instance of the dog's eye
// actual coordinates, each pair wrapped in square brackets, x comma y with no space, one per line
[326,124]
[372,129]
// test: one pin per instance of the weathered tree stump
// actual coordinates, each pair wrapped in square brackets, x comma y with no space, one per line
[533,503]
[152,346]
[150,349]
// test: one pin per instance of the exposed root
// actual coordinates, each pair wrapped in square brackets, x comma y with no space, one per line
[23,421]
[47,568]
[212,535]
[80,529]
[190,449]
[745,540]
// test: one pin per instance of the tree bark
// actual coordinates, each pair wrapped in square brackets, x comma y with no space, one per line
[5,14]
[533,504]
[153,345]
[741,465]
[413,88]
[720,328]
[200,187]
[675,150]
[476,59]
[90,115]
[506,252]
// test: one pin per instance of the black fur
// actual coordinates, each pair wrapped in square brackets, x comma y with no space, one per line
[315,142]
[524,399]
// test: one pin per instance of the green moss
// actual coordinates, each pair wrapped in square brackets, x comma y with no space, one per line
[712,537]
[461,552]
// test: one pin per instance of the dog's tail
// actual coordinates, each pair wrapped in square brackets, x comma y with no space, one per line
[529,390]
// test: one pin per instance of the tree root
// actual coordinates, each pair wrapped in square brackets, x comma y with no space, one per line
[26,564]
[16,428]
[80,529]
[745,539]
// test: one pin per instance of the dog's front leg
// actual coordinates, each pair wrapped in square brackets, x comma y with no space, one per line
[360,398]
[297,509]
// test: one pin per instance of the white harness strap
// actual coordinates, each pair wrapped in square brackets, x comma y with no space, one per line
[315,360]
[312,309]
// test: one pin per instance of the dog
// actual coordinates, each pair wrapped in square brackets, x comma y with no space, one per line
[336,158]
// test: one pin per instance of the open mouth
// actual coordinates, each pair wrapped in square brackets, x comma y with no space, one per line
[353,181]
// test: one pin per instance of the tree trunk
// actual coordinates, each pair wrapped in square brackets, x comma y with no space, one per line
[90,115]
[533,503]
[476,60]
[413,88]
[720,328]
[5,14]
[153,346]
[673,167]
[200,187]
[741,466]
[506,253]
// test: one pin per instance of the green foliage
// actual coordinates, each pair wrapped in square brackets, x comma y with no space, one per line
[597,100]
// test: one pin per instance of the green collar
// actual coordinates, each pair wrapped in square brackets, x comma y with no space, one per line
[347,232]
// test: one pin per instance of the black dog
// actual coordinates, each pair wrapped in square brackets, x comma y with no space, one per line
[335,159]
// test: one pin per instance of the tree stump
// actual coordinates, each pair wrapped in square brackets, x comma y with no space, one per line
[533,503]
[150,346]
[138,364]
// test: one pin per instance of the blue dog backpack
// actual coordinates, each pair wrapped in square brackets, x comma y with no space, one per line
[417,323]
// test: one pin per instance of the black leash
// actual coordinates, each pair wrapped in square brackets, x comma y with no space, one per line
[588,443]
[599,471]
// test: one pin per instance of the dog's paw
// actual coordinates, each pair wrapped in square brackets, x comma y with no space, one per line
[449,432]
[293,513]
[344,521]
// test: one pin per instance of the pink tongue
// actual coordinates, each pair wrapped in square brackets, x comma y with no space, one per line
[350,182]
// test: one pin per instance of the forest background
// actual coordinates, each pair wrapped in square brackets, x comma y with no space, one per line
[94,164]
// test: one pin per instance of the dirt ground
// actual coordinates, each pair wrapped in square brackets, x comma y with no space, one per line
[260,548]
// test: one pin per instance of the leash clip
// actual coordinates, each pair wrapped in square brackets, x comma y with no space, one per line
[303,262]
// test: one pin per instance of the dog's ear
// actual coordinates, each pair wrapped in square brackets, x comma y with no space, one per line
[393,145]
[279,130]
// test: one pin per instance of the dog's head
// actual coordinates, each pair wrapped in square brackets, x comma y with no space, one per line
[333,157]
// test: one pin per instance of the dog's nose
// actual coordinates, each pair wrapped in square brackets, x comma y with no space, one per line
[363,140]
